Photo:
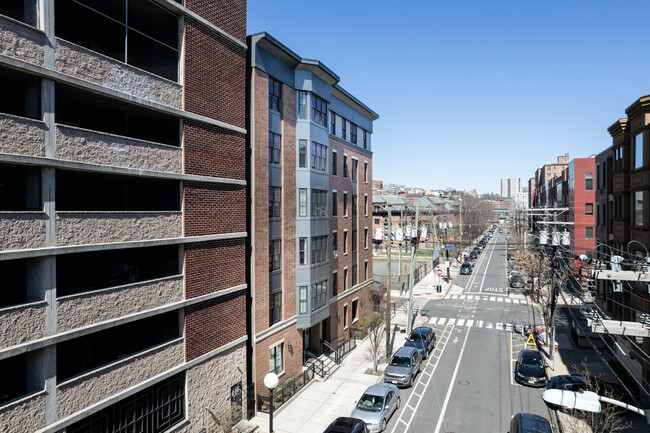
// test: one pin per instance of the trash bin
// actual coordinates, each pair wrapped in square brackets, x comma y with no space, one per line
[556,347]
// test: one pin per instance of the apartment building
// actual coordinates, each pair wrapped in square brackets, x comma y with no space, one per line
[580,199]
[510,187]
[310,189]
[543,176]
[122,215]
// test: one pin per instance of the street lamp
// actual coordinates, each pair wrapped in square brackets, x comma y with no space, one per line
[271,381]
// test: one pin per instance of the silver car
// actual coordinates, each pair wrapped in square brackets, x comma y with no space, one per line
[405,364]
[376,406]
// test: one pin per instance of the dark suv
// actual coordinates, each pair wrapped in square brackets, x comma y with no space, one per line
[346,425]
[466,268]
[422,338]
[529,423]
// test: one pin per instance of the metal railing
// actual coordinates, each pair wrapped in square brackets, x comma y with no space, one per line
[284,393]
[333,349]
[346,347]
[318,364]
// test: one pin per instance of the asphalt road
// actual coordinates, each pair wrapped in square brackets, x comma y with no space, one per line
[467,385]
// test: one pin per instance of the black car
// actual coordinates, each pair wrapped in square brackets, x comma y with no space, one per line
[423,338]
[516,282]
[473,254]
[529,423]
[567,383]
[466,268]
[345,424]
[530,369]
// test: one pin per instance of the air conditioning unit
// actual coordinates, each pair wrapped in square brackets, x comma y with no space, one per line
[334,253]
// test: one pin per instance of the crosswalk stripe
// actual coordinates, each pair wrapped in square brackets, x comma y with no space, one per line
[499,325]
[489,325]
[451,322]
[508,300]
[479,323]
[470,323]
[470,297]
[441,321]
[492,299]
[462,296]
[461,322]
[500,299]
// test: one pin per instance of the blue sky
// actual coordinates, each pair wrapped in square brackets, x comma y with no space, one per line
[472,91]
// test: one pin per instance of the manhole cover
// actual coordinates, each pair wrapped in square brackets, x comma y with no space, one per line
[463,382]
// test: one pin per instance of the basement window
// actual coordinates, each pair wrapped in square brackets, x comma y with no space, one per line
[138,32]
[85,272]
[20,188]
[21,94]
[21,10]
[88,111]
[92,351]
[79,191]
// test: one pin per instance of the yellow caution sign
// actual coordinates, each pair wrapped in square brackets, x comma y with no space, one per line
[531,341]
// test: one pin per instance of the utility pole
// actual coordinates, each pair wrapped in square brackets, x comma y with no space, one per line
[388,304]
[411,284]
[460,220]
[399,267]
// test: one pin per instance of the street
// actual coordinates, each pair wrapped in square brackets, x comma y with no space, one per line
[468,383]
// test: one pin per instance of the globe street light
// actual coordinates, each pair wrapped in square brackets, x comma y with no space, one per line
[271,381]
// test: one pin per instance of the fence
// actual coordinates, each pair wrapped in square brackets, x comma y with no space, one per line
[286,391]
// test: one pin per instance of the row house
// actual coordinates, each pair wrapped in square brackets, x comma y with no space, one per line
[310,184]
[122,202]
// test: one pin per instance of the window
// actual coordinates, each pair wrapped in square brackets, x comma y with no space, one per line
[365,171]
[355,310]
[318,110]
[345,316]
[637,208]
[318,249]
[302,300]
[365,270]
[318,295]
[274,202]
[154,410]
[365,139]
[353,133]
[365,205]
[355,164]
[589,232]
[365,238]
[318,156]
[318,203]
[21,93]
[275,308]
[274,148]
[276,358]
[335,204]
[345,242]
[302,202]
[618,159]
[618,206]
[275,95]
[376,220]
[589,208]
[86,353]
[638,151]
[302,251]
[302,105]
[302,153]
[21,10]
[599,220]
[589,181]
[332,123]
[335,283]
[148,39]
[334,161]
[334,242]
[354,240]
[354,275]
[275,254]
[345,166]
[345,204]
[354,205]
[344,132]
[345,279]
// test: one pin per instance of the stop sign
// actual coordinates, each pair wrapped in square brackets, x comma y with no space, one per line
[439,272]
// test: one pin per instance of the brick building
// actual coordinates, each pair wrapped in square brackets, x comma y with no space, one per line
[310,190]
[122,202]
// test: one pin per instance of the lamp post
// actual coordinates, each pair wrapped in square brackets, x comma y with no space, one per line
[271,381]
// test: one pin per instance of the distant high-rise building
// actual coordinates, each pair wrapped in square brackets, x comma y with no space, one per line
[510,187]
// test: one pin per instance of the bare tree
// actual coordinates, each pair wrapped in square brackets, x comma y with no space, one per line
[372,326]
[609,420]
[536,271]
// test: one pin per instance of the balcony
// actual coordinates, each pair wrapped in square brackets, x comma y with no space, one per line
[22,323]
[89,227]
[21,136]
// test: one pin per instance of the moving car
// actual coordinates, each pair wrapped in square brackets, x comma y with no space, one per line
[345,424]
[466,268]
[529,423]
[405,364]
[423,339]
[376,406]
[530,369]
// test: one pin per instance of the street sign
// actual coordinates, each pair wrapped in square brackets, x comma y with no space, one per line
[439,272]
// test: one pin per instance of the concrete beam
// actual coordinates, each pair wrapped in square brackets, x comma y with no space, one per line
[617,327]
[621,275]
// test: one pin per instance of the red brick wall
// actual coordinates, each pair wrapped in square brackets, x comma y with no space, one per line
[212,324]
[215,75]
[214,266]
[228,15]
[212,151]
[292,358]
[213,208]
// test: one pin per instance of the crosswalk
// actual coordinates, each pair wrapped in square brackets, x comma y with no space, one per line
[418,304]
[502,299]
[471,323]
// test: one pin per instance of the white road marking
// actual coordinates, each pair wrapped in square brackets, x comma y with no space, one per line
[470,323]
[461,322]
[451,322]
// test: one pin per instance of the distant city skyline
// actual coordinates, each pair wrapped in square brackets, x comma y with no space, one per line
[470,92]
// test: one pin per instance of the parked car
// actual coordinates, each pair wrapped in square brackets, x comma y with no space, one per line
[466,268]
[473,255]
[345,424]
[376,406]
[422,338]
[511,257]
[567,382]
[516,282]
[530,369]
[529,423]
[469,260]
[500,230]
[405,364]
